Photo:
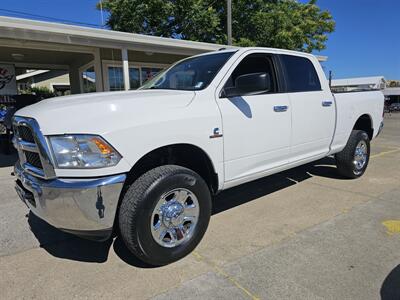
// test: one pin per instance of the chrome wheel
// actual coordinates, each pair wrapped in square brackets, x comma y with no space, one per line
[174,217]
[360,157]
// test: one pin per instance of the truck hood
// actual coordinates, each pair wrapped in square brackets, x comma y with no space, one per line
[100,113]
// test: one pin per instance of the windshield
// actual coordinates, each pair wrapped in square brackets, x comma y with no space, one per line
[190,74]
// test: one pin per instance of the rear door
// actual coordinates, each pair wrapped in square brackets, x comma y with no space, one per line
[313,108]
[256,128]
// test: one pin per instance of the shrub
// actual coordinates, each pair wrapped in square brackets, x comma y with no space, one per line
[42,92]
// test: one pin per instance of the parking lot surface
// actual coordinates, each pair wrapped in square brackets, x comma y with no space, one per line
[305,233]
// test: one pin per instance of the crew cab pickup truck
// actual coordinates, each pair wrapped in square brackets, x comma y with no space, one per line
[145,164]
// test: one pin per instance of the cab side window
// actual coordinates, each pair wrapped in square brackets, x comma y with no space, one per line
[254,63]
[300,74]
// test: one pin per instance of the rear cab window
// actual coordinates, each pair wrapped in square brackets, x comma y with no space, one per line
[300,74]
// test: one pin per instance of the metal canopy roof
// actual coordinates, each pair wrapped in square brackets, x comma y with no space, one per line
[32,30]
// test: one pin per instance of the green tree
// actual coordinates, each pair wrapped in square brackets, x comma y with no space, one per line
[285,24]
[393,83]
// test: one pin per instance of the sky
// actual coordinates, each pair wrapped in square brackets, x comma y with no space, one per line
[366,41]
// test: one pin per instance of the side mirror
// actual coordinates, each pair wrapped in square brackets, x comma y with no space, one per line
[249,84]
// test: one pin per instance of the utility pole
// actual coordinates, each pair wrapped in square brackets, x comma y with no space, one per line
[101,14]
[229,21]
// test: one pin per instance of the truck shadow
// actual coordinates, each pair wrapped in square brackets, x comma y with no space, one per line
[8,160]
[250,191]
[390,289]
[64,245]
[67,246]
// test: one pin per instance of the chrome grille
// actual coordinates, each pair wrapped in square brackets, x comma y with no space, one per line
[33,159]
[33,151]
[25,134]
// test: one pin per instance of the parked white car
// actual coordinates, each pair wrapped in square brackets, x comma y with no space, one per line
[149,161]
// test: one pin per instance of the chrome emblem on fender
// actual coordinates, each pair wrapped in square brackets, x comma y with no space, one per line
[216,133]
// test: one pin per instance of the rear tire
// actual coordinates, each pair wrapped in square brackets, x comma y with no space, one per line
[164,214]
[353,160]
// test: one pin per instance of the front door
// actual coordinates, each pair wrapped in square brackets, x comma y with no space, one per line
[256,128]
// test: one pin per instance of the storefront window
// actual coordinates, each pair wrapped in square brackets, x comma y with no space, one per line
[89,80]
[137,77]
[134,78]
[116,78]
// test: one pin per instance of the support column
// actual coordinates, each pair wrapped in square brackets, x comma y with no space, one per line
[74,79]
[125,68]
[98,71]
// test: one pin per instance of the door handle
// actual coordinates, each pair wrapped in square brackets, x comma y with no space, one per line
[280,108]
[326,103]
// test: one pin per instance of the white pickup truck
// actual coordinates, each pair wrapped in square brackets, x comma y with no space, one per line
[145,164]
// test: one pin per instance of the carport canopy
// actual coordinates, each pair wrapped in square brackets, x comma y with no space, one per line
[34,44]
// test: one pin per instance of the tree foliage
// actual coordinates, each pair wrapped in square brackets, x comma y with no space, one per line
[285,24]
[40,91]
[393,83]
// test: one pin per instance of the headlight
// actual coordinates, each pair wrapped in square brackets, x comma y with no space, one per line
[83,151]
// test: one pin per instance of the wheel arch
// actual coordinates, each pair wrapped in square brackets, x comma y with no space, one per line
[365,123]
[181,154]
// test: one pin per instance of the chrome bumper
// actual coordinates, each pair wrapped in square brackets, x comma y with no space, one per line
[84,207]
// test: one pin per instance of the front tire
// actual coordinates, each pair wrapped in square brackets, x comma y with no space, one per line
[164,214]
[353,160]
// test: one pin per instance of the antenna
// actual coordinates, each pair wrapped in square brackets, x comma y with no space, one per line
[330,78]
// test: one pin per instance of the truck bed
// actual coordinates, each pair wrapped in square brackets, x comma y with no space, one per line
[351,105]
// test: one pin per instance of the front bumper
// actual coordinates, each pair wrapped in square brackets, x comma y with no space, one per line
[84,207]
